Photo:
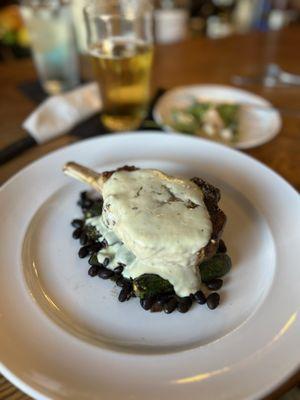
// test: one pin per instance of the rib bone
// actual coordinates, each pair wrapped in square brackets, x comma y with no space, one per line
[84,174]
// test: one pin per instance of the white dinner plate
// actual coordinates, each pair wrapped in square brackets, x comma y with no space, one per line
[257,125]
[64,335]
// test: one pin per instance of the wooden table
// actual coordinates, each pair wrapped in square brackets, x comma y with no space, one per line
[189,62]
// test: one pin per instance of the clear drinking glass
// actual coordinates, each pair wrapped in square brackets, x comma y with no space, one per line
[53,43]
[120,44]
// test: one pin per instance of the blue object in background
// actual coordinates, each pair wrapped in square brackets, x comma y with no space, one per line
[261,14]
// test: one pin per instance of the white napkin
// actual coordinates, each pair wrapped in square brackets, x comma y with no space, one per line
[58,114]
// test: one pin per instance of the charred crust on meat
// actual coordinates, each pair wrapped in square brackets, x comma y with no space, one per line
[210,192]
[128,168]
[211,197]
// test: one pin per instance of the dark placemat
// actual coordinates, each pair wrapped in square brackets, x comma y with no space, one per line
[88,128]
[33,91]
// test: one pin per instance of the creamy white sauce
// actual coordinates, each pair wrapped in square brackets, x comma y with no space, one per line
[116,252]
[155,223]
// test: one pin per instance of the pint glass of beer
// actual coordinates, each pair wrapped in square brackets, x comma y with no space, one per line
[120,44]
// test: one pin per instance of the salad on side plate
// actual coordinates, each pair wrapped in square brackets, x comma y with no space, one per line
[218,121]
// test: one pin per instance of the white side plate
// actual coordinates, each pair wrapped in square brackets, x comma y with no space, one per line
[258,125]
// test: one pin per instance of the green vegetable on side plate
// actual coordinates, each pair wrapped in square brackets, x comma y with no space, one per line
[219,121]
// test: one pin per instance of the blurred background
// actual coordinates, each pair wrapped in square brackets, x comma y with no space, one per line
[175,20]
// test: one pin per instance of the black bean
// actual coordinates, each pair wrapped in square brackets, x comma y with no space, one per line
[95,247]
[83,252]
[93,271]
[115,277]
[222,247]
[106,262]
[104,244]
[105,273]
[147,302]
[163,298]
[124,295]
[93,260]
[127,284]
[214,284]
[192,296]
[77,233]
[77,223]
[120,282]
[213,300]
[157,307]
[80,203]
[200,297]
[119,269]
[171,305]
[87,203]
[184,304]
[83,195]
[83,239]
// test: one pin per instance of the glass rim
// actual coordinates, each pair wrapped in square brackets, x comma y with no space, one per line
[98,9]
